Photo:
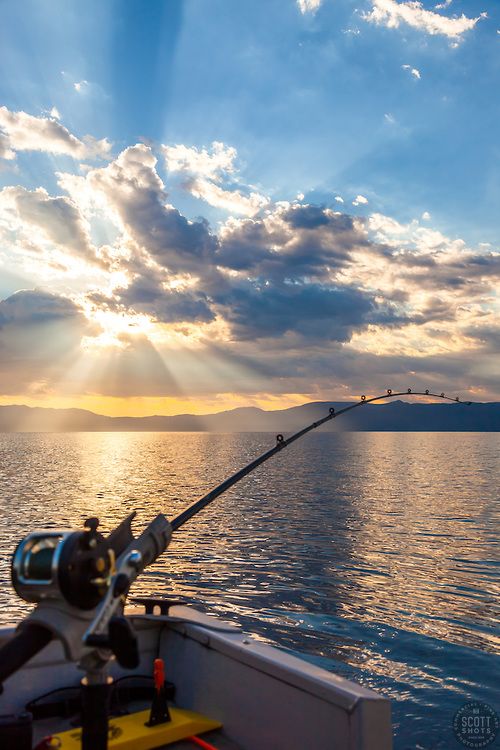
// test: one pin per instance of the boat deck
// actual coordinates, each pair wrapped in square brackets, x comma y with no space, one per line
[47,727]
[217,738]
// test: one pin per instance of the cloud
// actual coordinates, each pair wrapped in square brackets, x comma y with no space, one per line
[30,212]
[6,152]
[20,131]
[151,293]
[292,243]
[209,164]
[135,197]
[390,118]
[339,199]
[81,86]
[34,306]
[308,6]
[300,289]
[416,261]
[270,310]
[392,14]
[360,200]
[39,332]
[233,201]
[289,279]
[205,171]
[413,71]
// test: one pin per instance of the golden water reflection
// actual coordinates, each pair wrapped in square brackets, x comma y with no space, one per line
[369,549]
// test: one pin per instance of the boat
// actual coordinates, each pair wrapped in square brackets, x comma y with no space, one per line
[159,672]
[265,698]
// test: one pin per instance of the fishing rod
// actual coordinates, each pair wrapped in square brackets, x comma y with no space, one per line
[80,580]
[281,443]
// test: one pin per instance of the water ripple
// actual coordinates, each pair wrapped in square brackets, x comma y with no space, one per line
[373,555]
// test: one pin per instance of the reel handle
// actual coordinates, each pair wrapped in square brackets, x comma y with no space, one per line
[31,639]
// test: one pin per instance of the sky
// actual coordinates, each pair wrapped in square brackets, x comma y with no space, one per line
[211,204]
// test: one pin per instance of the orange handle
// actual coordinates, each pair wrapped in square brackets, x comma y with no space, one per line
[159,673]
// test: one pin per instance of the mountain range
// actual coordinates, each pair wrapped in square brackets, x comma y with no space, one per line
[393,416]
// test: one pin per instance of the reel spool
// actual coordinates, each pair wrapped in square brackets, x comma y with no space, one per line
[71,565]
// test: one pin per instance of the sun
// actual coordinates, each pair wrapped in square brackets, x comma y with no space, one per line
[117,328]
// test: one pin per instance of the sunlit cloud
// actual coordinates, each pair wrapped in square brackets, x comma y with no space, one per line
[308,6]
[20,131]
[414,72]
[360,200]
[295,288]
[205,172]
[210,164]
[35,211]
[233,201]
[392,14]
[219,251]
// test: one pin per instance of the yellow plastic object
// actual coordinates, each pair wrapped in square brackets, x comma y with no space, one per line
[131,733]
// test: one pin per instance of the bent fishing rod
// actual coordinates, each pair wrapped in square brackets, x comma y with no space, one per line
[281,443]
[80,580]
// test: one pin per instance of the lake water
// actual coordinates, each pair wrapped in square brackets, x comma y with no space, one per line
[374,555]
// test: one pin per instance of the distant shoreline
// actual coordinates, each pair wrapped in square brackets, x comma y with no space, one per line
[397,416]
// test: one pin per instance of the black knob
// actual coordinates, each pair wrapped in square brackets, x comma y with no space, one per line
[91,524]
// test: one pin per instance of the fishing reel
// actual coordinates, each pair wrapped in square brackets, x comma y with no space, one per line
[73,566]
[79,581]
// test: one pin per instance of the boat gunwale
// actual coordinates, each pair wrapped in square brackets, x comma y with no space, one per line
[267,659]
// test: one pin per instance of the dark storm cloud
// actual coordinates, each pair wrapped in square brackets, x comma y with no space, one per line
[174,241]
[298,244]
[257,312]
[248,245]
[312,217]
[305,240]
[146,294]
